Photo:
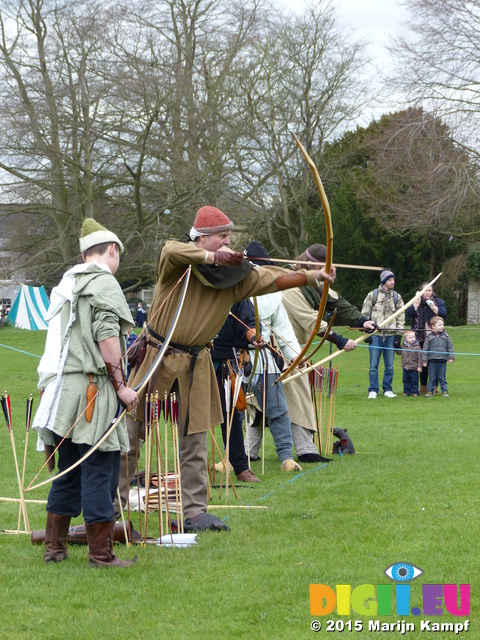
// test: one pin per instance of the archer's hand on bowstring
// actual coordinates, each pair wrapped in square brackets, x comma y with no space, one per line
[350,346]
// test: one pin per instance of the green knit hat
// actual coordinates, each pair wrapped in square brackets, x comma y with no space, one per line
[93,233]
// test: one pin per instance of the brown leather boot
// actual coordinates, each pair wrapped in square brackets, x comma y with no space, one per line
[56,532]
[423,389]
[100,545]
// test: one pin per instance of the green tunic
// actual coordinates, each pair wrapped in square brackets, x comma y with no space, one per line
[99,311]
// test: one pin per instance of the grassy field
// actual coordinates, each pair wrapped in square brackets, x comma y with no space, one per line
[410,494]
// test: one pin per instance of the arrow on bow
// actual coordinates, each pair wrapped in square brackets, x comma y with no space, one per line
[309,263]
[328,259]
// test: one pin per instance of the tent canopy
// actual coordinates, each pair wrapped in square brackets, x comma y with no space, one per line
[29,309]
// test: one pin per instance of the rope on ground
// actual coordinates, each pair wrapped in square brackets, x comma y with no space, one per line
[299,475]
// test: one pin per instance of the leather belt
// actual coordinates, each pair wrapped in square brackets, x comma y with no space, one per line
[174,347]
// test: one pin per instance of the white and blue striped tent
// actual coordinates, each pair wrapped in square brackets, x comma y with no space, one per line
[29,309]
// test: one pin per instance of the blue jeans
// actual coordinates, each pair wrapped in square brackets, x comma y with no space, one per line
[276,411]
[381,346]
[410,382]
[437,371]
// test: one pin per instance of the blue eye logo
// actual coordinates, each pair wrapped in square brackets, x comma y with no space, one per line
[402,572]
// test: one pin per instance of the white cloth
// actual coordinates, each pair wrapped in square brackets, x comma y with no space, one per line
[56,348]
[272,314]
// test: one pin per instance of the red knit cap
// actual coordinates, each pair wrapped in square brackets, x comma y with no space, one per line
[210,220]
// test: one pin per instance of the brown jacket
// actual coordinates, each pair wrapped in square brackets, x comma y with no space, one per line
[204,312]
[411,356]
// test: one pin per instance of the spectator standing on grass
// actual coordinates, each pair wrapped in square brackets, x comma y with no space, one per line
[130,340]
[141,315]
[379,305]
[421,312]
[411,354]
[437,349]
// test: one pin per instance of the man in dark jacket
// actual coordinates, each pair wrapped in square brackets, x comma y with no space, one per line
[236,335]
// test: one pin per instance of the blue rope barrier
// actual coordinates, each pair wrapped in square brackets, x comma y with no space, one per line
[34,355]
[455,353]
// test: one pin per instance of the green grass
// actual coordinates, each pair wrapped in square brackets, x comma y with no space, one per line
[411,493]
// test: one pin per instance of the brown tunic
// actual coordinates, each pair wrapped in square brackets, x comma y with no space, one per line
[203,314]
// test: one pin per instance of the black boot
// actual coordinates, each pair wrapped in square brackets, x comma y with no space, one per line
[56,532]
[312,457]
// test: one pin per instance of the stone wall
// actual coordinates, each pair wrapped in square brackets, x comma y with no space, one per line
[473,305]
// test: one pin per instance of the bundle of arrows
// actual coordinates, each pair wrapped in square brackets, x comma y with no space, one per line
[7,412]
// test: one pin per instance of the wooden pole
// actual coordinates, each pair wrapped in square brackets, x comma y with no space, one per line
[264,403]
[176,453]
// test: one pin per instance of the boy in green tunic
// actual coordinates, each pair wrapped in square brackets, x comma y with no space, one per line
[88,319]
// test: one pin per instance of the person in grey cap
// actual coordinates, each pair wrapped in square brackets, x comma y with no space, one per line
[378,306]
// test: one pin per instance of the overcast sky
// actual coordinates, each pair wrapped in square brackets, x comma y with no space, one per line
[373,20]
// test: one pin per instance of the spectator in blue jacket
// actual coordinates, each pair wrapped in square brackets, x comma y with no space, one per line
[141,316]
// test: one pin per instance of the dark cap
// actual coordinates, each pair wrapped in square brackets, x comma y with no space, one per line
[256,250]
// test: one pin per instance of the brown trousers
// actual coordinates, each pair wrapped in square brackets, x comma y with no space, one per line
[193,468]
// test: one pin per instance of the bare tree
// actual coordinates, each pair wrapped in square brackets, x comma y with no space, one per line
[129,112]
[419,183]
[438,63]
[52,118]
[306,80]
[189,101]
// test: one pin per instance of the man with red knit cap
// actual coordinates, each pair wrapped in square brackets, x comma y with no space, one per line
[220,277]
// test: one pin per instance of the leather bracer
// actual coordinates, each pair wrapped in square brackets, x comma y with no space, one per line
[117,375]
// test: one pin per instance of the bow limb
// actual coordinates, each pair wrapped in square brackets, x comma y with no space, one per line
[328,259]
[121,410]
[257,334]
[382,324]
[323,338]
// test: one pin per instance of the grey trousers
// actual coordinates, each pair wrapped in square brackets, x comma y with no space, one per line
[302,440]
